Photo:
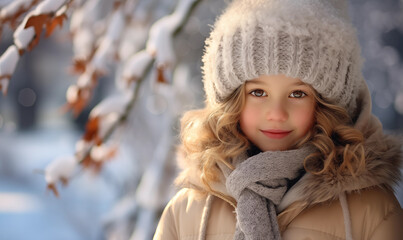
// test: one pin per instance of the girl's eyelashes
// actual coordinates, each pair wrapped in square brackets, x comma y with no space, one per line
[298,94]
[258,93]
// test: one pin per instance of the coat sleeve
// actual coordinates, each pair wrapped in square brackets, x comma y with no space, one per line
[391,227]
[167,226]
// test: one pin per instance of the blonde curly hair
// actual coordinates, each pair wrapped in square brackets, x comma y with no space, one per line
[212,135]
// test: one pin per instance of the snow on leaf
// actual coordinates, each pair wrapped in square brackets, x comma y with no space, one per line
[8,62]
[60,169]
[23,36]
[103,152]
[83,17]
[82,148]
[116,25]
[83,43]
[89,78]
[108,45]
[48,6]
[113,104]
[57,20]
[44,15]
[159,43]
[91,129]
[106,123]
[88,162]
[14,10]
[4,80]
[103,54]
[77,98]
[135,67]
[37,22]
[132,40]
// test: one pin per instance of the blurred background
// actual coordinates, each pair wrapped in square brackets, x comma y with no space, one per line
[124,200]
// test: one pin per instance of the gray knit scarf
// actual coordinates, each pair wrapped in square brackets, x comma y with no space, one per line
[258,184]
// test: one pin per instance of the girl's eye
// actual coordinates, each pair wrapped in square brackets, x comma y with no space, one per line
[298,94]
[258,93]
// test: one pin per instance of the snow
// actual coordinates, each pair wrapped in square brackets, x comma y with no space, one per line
[103,53]
[23,36]
[4,85]
[85,79]
[9,60]
[136,65]
[102,152]
[62,167]
[83,43]
[76,20]
[13,7]
[132,41]
[160,44]
[84,17]
[82,148]
[106,123]
[116,25]
[72,93]
[48,6]
[160,38]
[111,104]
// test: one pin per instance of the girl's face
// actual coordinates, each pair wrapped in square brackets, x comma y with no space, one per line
[278,112]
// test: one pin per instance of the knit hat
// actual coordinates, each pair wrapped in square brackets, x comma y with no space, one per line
[312,40]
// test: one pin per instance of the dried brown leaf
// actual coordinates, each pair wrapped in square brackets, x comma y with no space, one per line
[89,163]
[54,22]
[79,66]
[52,187]
[37,22]
[84,95]
[91,129]
[161,75]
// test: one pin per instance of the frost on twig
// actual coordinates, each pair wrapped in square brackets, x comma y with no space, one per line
[91,60]
[12,12]
[61,170]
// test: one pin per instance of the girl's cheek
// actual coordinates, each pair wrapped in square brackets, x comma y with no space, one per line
[249,115]
[305,115]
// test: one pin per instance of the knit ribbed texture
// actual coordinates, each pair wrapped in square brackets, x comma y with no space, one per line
[258,184]
[312,40]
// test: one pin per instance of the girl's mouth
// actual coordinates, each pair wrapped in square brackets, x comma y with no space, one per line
[275,134]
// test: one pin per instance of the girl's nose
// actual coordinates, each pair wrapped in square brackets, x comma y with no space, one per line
[277,112]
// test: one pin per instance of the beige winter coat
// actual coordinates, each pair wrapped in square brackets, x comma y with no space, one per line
[375,214]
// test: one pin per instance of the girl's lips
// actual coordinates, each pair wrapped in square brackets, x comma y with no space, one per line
[275,134]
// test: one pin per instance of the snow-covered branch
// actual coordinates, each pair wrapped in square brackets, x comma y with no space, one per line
[112,112]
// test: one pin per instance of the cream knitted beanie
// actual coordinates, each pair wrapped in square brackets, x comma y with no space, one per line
[312,40]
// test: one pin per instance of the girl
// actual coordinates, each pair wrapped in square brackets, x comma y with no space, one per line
[286,147]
